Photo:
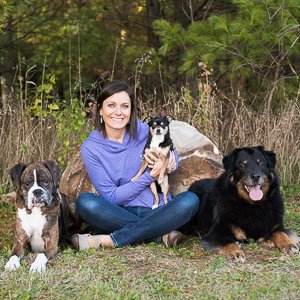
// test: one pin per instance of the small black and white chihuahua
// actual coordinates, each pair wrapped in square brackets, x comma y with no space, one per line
[159,137]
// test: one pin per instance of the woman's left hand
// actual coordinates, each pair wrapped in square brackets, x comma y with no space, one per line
[172,163]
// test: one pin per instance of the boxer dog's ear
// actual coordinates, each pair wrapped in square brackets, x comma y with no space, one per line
[54,170]
[15,174]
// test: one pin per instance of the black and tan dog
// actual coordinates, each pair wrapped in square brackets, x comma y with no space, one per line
[159,138]
[244,204]
[37,207]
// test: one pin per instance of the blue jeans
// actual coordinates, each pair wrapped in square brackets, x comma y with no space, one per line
[133,224]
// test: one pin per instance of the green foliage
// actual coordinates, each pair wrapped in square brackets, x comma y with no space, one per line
[67,119]
[72,37]
[9,6]
[42,96]
[171,35]
[70,120]
[5,7]
[250,44]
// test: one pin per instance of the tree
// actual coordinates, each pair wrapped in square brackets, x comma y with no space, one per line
[256,47]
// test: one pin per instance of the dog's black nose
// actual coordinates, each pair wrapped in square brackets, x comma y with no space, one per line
[158,130]
[255,177]
[38,192]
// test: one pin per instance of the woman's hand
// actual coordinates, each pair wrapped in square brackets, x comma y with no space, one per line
[172,163]
[151,156]
[157,168]
[155,163]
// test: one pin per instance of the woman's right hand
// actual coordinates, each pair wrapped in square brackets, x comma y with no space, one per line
[157,168]
[151,156]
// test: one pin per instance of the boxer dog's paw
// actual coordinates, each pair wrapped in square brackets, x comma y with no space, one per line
[12,264]
[39,265]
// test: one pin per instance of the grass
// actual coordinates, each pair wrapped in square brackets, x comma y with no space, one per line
[150,271]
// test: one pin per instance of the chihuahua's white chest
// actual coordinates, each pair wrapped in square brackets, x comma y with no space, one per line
[156,141]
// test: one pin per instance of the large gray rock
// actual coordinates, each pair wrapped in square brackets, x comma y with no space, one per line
[199,158]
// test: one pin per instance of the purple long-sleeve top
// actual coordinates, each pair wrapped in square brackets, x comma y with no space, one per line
[111,165]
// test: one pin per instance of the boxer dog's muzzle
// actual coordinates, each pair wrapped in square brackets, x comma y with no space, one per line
[38,188]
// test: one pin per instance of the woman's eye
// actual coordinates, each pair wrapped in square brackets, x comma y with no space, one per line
[125,106]
[111,105]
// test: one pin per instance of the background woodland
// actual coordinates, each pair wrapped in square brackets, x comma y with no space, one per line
[228,67]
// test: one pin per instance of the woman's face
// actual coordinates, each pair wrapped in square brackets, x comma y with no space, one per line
[116,111]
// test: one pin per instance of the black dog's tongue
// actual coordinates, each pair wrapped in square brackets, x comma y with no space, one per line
[255,193]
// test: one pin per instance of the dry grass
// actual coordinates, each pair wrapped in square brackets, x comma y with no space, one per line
[228,123]
[233,123]
[150,271]
[27,139]
[154,272]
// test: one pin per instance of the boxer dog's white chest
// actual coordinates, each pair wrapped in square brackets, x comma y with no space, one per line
[33,225]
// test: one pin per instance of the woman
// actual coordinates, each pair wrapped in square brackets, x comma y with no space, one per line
[112,156]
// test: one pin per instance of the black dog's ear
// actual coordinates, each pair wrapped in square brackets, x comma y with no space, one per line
[270,157]
[54,170]
[228,162]
[169,118]
[147,119]
[15,174]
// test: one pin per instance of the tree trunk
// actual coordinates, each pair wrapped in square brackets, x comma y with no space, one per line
[4,97]
[153,13]
[8,73]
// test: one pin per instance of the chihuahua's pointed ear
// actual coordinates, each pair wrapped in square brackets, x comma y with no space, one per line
[15,174]
[169,118]
[147,119]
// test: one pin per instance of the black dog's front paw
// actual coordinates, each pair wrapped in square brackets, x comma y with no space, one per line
[291,249]
[237,256]
[233,253]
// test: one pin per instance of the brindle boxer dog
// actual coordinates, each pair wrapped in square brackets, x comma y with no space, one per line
[37,207]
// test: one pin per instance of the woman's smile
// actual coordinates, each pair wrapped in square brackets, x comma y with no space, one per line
[115,112]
